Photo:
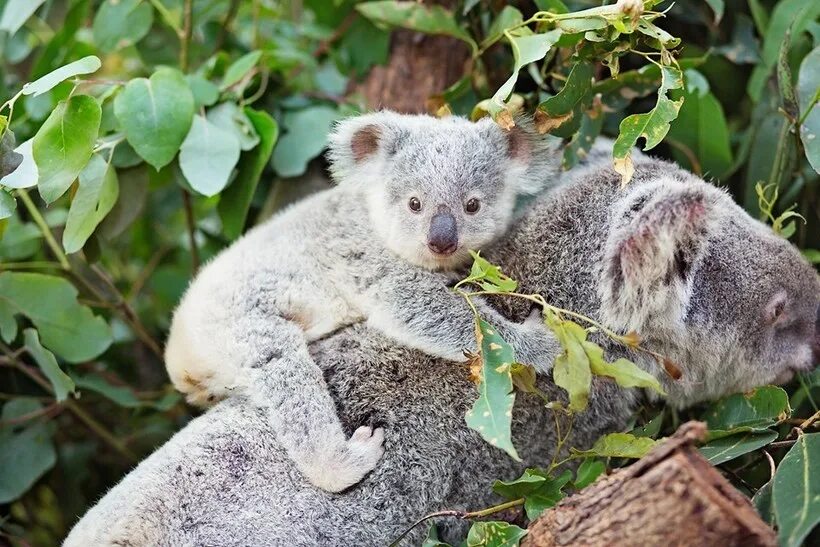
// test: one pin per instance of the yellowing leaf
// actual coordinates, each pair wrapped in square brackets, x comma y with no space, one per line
[619,445]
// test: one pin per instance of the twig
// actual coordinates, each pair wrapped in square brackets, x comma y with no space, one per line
[186,34]
[46,231]
[191,224]
[226,24]
[31,415]
[460,515]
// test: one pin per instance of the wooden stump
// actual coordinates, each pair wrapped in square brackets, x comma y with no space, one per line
[672,496]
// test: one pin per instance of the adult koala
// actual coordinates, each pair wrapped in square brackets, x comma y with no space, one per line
[671,257]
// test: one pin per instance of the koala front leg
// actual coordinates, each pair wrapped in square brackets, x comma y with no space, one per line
[287,382]
[419,310]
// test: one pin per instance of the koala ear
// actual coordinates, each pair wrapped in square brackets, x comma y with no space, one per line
[657,239]
[357,143]
[535,159]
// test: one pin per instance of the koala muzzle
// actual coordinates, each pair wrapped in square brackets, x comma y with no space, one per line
[443,235]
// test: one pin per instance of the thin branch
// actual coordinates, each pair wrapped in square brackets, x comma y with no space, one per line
[226,24]
[23,418]
[185,36]
[46,231]
[191,224]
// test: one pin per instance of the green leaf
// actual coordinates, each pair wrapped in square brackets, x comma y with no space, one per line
[575,89]
[491,414]
[25,175]
[652,428]
[86,65]
[16,13]
[60,381]
[794,14]
[507,18]
[67,328]
[652,125]
[96,195]
[229,117]
[701,132]
[305,138]
[122,395]
[19,241]
[432,539]
[7,204]
[589,470]
[25,454]
[808,93]
[744,47]
[796,491]
[526,49]
[623,371]
[488,276]
[415,16]
[236,199]
[619,445]
[758,408]
[728,448]
[571,370]
[63,145]
[717,8]
[156,114]
[530,481]
[207,156]
[494,534]
[121,23]
[762,500]
[204,91]
[548,495]
[240,68]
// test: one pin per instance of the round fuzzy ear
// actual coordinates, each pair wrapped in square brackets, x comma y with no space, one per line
[537,157]
[365,142]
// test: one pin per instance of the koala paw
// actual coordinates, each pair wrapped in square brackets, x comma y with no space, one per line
[348,463]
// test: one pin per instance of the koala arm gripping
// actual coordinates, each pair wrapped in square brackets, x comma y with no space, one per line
[417,309]
[288,383]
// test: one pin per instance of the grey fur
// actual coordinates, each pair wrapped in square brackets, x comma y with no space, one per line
[327,263]
[225,479]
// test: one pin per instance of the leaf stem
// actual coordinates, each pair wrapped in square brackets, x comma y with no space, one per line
[191,225]
[186,34]
[46,231]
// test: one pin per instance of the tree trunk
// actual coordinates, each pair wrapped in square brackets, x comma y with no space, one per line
[420,66]
[673,496]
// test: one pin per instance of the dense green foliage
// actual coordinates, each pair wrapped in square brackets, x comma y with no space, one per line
[140,137]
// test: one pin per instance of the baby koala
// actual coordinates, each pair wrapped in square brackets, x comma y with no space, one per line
[414,194]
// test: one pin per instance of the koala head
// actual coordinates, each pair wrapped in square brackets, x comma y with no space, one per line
[437,188]
[731,303]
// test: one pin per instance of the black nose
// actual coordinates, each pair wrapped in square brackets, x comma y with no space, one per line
[443,235]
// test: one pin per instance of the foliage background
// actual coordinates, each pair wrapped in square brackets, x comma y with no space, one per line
[84,392]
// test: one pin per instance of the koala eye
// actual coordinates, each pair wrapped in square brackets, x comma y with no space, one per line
[472,206]
[414,204]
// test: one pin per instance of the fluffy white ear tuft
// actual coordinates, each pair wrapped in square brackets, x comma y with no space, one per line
[536,158]
[356,143]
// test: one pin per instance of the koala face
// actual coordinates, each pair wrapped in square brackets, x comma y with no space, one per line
[732,304]
[437,188]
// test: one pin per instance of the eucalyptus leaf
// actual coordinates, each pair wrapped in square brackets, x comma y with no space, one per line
[619,445]
[796,491]
[25,454]
[67,328]
[156,115]
[60,381]
[808,93]
[415,16]
[491,414]
[86,65]
[240,68]
[589,470]
[121,23]
[235,201]
[526,49]
[17,12]
[728,448]
[96,195]
[305,138]
[63,145]
[7,204]
[494,534]
[207,156]
[759,408]
[229,117]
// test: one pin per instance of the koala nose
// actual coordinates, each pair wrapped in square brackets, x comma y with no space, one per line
[443,235]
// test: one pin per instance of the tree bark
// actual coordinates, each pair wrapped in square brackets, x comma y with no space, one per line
[420,66]
[671,497]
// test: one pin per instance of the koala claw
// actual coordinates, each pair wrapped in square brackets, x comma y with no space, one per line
[349,463]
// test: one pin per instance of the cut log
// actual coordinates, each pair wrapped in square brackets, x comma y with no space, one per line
[673,496]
